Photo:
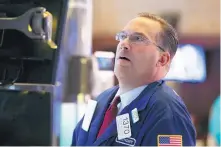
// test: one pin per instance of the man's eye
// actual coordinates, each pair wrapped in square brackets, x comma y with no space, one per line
[123,36]
[137,38]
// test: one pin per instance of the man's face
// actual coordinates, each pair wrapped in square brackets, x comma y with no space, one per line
[137,54]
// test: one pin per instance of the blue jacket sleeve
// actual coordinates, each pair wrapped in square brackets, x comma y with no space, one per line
[214,121]
[75,134]
[163,128]
[74,137]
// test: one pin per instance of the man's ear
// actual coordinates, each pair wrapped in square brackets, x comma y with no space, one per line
[164,59]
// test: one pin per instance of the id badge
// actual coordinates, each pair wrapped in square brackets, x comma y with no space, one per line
[89,114]
[123,126]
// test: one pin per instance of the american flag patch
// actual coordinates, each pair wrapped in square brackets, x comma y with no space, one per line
[169,140]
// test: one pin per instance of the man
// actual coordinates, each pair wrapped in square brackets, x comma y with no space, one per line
[214,124]
[142,110]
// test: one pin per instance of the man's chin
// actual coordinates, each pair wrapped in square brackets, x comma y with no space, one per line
[122,72]
[123,63]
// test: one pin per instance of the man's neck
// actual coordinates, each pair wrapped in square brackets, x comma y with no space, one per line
[128,83]
[125,86]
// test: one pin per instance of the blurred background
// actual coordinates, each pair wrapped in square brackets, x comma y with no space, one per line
[54,83]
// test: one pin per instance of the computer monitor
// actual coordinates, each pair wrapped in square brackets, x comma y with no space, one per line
[188,65]
[105,60]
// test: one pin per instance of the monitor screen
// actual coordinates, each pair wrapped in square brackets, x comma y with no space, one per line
[188,64]
[105,60]
[105,63]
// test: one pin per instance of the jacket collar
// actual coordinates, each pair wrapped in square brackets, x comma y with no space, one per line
[141,101]
[104,101]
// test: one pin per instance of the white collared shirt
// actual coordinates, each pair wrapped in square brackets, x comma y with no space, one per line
[128,97]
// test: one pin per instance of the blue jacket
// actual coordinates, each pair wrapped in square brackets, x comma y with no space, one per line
[214,121]
[161,112]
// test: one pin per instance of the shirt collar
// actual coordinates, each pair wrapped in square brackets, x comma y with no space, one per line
[128,97]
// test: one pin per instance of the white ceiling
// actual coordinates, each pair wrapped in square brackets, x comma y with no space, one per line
[197,16]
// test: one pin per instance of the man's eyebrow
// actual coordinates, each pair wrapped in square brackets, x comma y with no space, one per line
[139,33]
[136,33]
[123,32]
[142,34]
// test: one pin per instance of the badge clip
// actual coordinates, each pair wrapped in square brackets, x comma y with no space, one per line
[135,115]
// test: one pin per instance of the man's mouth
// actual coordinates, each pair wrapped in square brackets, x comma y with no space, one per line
[124,58]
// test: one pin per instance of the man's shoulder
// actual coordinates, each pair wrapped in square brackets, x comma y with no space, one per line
[169,102]
[167,96]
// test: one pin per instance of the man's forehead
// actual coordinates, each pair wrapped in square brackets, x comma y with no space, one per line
[143,25]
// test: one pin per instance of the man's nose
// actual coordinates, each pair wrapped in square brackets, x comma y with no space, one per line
[124,47]
[125,44]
